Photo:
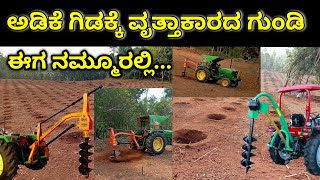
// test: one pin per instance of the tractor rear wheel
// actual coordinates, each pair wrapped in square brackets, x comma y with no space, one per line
[156,143]
[9,160]
[277,156]
[312,155]
[202,74]
[40,162]
[225,82]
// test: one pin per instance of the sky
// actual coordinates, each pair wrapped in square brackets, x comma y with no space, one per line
[94,51]
[277,50]
[157,92]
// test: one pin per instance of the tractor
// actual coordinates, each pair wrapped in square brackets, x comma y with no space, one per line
[299,137]
[32,151]
[149,136]
[210,69]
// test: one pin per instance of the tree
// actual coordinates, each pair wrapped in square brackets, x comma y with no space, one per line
[120,108]
[302,61]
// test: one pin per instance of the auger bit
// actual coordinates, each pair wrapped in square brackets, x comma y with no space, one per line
[254,106]
[248,147]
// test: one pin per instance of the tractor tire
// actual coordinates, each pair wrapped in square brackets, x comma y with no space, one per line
[225,82]
[41,162]
[234,83]
[274,153]
[9,161]
[156,143]
[312,155]
[202,74]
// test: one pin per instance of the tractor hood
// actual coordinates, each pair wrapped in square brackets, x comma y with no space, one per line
[157,118]
[211,58]
[228,69]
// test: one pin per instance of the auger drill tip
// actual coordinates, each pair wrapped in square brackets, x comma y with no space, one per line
[247,170]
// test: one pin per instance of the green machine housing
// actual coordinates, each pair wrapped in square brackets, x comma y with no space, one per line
[149,130]
[146,123]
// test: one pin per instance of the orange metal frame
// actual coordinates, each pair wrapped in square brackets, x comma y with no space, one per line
[133,138]
[85,124]
[186,63]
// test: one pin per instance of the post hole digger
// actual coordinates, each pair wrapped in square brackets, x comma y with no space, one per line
[149,137]
[32,151]
[298,138]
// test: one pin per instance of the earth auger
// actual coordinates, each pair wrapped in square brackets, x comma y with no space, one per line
[148,137]
[256,107]
[32,151]
[300,137]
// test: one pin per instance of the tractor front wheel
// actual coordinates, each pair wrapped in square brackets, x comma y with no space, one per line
[40,162]
[234,83]
[276,155]
[9,160]
[156,143]
[225,82]
[202,74]
[312,155]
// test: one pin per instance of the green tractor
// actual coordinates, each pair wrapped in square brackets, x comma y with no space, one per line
[32,151]
[210,69]
[149,137]
[14,150]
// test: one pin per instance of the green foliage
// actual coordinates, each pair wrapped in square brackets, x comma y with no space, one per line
[168,93]
[247,53]
[302,61]
[273,62]
[299,64]
[120,108]
[160,55]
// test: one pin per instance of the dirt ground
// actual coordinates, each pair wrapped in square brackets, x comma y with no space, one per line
[189,87]
[25,102]
[271,81]
[136,166]
[208,136]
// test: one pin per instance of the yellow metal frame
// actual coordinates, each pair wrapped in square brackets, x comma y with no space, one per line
[85,124]
[201,74]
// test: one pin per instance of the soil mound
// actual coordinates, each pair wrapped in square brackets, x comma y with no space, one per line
[126,155]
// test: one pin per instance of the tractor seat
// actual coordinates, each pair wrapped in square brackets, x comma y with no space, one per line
[297,120]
